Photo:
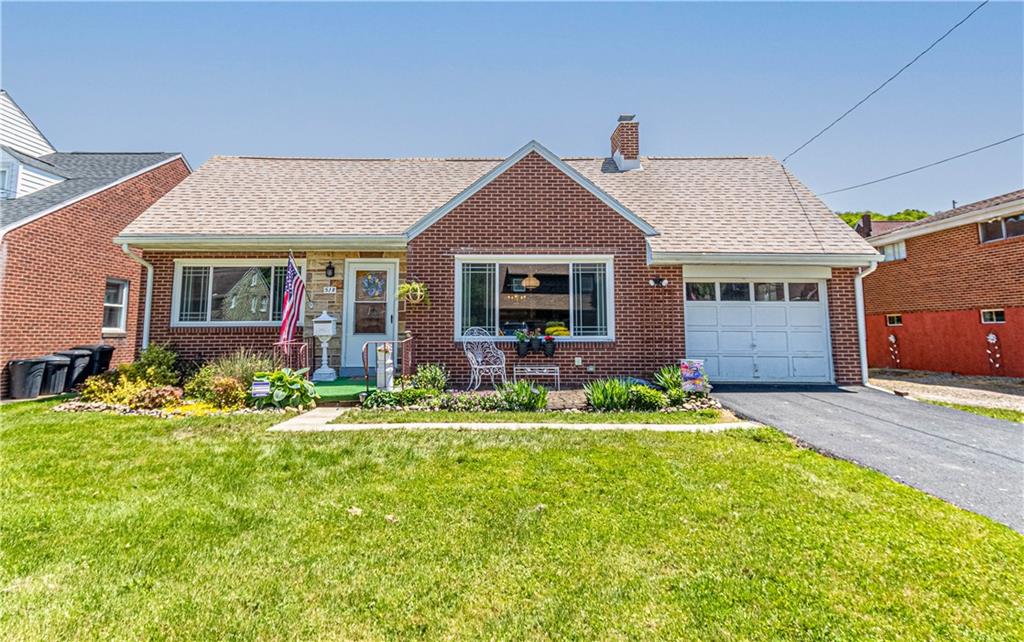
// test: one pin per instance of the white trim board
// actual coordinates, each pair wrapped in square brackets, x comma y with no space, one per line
[533,146]
[725,258]
[756,272]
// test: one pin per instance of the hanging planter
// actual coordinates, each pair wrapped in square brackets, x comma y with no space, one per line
[413,292]
[535,344]
[549,346]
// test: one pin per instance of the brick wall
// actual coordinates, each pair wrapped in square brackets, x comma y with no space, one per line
[949,270]
[54,271]
[626,139]
[201,344]
[533,208]
[842,313]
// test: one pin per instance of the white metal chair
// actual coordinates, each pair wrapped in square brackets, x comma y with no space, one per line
[485,358]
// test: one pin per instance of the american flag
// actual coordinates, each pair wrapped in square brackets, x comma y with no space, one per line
[294,289]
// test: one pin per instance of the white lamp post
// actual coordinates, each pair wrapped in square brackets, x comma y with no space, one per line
[324,328]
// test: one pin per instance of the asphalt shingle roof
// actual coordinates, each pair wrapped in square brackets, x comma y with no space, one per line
[742,205]
[83,171]
[963,209]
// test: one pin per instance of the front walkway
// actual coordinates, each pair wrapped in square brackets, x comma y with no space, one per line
[973,462]
[319,420]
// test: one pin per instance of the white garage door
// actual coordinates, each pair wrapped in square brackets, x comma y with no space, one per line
[753,331]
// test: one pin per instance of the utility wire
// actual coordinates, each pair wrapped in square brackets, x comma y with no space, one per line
[917,169]
[890,79]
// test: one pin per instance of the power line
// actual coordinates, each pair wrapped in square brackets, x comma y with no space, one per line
[888,80]
[917,169]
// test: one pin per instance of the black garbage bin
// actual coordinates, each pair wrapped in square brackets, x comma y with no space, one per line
[55,374]
[100,359]
[26,377]
[78,369]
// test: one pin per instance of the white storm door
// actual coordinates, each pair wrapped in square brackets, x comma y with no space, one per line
[370,307]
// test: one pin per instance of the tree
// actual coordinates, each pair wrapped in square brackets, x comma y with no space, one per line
[852,218]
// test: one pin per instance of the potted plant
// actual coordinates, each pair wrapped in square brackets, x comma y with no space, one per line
[549,346]
[413,292]
[535,341]
[522,343]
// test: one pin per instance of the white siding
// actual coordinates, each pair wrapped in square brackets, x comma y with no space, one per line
[31,180]
[18,132]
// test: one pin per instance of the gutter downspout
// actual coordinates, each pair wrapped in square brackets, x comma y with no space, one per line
[149,292]
[858,289]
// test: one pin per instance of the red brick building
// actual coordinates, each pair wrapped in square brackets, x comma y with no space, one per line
[949,296]
[631,262]
[63,282]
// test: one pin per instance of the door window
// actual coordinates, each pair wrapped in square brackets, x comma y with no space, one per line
[370,302]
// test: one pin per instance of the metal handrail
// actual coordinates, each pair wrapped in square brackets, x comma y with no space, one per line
[401,348]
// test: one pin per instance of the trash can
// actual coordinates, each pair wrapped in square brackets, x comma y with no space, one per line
[100,359]
[78,369]
[26,377]
[55,374]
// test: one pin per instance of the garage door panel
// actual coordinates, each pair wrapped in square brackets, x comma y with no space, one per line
[701,315]
[808,341]
[771,341]
[736,368]
[773,367]
[703,341]
[710,365]
[810,367]
[770,315]
[806,315]
[735,315]
[736,340]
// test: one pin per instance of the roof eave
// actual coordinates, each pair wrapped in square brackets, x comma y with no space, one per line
[241,242]
[763,258]
[967,218]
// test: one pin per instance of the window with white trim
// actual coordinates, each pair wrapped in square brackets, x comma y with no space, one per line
[562,297]
[893,319]
[1001,228]
[894,251]
[115,306]
[229,292]
[993,316]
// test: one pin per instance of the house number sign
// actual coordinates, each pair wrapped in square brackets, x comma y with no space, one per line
[330,289]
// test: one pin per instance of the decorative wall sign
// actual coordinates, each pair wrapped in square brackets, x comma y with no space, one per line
[894,350]
[995,351]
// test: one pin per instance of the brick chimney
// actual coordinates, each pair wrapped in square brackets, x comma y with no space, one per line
[865,225]
[626,143]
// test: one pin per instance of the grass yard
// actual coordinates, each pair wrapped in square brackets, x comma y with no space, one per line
[446,417]
[995,413]
[131,528]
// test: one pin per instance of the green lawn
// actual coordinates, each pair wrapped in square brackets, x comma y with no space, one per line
[192,529]
[995,413]
[445,417]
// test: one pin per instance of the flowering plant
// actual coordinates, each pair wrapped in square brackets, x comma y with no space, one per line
[549,338]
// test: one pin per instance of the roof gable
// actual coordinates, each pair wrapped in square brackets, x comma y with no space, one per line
[532,146]
[18,131]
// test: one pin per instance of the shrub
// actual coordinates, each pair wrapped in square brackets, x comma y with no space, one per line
[607,394]
[288,389]
[669,378]
[156,398]
[431,376]
[523,396]
[156,365]
[240,366]
[645,399]
[228,392]
[114,388]
[198,387]
[397,399]
[468,402]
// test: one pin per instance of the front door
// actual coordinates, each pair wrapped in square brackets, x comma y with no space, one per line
[369,307]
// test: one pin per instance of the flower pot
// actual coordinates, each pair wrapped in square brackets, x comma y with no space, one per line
[414,296]
[549,348]
[535,344]
[522,348]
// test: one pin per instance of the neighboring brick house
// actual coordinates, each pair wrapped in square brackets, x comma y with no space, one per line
[949,295]
[63,282]
[643,260]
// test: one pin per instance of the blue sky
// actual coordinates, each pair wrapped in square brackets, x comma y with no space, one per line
[471,80]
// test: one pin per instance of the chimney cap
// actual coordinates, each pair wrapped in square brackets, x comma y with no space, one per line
[627,118]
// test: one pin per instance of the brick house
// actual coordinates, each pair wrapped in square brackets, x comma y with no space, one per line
[642,260]
[949,294]
[62,280]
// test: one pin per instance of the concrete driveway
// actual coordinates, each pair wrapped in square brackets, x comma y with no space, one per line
[974,462]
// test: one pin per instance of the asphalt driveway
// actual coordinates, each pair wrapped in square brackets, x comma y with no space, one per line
[974,462]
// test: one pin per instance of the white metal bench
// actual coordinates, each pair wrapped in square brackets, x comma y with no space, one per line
[537,371]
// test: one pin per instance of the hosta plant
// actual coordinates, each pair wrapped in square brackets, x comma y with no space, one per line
[288,389]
